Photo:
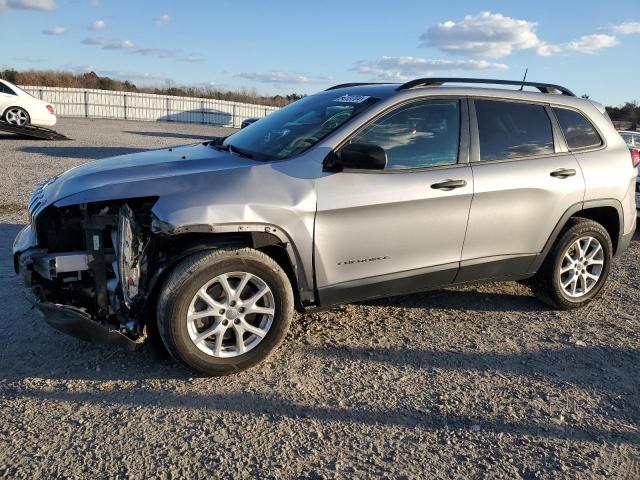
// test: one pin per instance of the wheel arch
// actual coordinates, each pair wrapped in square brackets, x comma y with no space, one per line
[186,241]
[21,107]
[607,212]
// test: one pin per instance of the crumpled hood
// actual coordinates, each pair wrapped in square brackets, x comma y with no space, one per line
[137,174]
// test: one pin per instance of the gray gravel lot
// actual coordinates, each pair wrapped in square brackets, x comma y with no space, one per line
[473,382]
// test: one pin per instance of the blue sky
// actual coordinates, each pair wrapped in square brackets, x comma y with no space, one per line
[296,46]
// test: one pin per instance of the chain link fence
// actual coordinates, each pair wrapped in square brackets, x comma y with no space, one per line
[88,103]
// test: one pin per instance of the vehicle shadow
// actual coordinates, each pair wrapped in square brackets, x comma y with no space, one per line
[255,404]
[172,135]
[93,153]
[616,367]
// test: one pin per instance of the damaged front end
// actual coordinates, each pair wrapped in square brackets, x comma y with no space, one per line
[86,268]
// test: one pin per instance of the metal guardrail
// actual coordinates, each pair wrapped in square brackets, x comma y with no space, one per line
[89,103]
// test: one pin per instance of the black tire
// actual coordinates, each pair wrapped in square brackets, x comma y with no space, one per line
[195,271]
[546,283]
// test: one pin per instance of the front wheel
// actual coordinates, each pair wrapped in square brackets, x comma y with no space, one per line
[577,266]
[223,311]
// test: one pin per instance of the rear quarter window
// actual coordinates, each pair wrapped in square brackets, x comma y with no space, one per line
[578,131]
[5,89]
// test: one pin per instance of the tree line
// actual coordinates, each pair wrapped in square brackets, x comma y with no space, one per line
[49,78]
[629,112]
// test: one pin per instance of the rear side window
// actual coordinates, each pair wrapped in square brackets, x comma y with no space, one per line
[512,130]
[5,89]
[578,131]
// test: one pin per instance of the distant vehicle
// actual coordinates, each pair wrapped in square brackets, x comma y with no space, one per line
[633,141]
[358,192]
[248,121]
[20,108]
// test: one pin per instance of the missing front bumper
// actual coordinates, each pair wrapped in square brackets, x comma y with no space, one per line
[77,323]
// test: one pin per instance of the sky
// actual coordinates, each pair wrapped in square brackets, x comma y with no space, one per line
[279,47]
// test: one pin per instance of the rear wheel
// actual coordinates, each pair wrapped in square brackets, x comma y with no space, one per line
[577,266]
[17,116]
[223,311]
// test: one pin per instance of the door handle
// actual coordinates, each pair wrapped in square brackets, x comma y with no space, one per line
[563,173]
[449,184]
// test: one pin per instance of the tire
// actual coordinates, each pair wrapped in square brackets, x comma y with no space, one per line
[548,282]
[224,351]
[16,116]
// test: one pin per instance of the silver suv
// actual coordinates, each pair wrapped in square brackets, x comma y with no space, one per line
[357,192]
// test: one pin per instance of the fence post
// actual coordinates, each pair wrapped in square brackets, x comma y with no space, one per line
[265,111]
[168,109]
[233,117]
[124,103]
[86,104]
[40,94]
[202,110]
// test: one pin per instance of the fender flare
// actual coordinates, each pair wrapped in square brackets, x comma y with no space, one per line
[570,212]
[304,289]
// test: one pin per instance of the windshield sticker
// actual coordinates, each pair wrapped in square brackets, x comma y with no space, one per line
[352,98]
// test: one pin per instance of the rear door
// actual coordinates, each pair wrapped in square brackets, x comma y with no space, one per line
[385,232]
[524,181]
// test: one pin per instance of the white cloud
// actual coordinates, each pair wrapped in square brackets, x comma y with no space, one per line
[43,5]
[585,44]
[54,31]
[162,20]
[281,78]
[193,58]
[485,34]
[156,52]
[97,25]
[404,68]
[627,28]
[109,43]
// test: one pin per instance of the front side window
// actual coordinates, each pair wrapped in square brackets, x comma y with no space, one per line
[417,135]
[298,126]
[512,130]
[578,131]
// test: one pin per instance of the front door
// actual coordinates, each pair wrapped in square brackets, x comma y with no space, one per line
[401,229]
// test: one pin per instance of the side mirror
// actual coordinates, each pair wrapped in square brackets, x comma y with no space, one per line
[362,156]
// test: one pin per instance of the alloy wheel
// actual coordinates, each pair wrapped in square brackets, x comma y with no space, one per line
[230,314]
[17,116]
[581,267]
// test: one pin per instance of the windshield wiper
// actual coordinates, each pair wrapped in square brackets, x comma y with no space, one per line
[237,151]
[218,145]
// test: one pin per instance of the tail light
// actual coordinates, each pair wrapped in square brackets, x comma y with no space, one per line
[51,110]
[635,156]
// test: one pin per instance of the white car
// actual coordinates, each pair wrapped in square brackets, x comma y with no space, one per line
[18,107]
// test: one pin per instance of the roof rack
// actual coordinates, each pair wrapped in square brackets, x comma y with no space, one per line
[346,85]
[436,82]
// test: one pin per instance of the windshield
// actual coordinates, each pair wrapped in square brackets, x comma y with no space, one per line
[298,126]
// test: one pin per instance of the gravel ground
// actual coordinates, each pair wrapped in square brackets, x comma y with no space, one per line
[474,382]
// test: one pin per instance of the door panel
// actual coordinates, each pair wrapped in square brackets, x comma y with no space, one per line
[375,224]
[6,101]
[517,204]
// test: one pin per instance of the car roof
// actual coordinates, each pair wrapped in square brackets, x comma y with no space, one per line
[385,91]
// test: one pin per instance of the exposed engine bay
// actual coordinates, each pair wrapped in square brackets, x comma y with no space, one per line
[95,257]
